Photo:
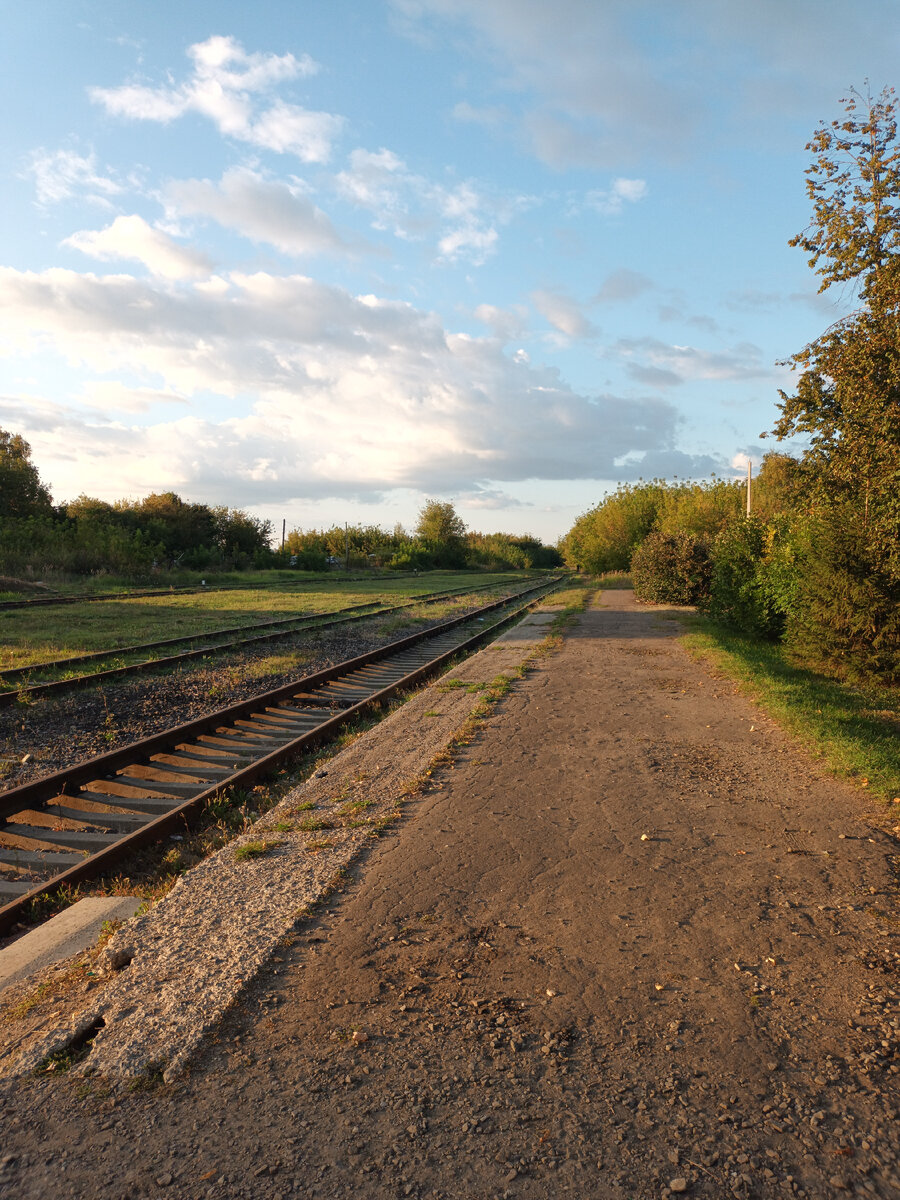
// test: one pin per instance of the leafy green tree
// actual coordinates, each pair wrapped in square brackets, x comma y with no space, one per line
[848,395]
[443,533]
[604,538]
[847,400]
[21,492]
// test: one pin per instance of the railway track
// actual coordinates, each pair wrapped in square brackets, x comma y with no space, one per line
[76,823]
[212,644]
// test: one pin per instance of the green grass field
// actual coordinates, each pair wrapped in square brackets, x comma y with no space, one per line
[31,636]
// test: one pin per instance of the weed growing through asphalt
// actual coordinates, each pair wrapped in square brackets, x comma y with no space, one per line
[254,850]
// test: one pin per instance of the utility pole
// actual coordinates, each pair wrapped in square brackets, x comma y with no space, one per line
[346,547]
[283,529]
[749,477]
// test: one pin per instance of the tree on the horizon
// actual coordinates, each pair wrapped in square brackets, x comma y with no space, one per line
[22,494]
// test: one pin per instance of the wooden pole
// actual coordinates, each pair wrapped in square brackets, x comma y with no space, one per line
[749,478]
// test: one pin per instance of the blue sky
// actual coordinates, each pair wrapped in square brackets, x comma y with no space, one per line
[324,259]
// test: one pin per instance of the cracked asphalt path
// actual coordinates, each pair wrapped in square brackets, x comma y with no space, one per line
[632,944]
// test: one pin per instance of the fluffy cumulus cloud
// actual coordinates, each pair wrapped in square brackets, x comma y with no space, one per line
[260,209]
[355,395]
[230,86]
[131,238]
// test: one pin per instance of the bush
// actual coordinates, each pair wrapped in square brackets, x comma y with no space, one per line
[846,615]
[603,538]
[671,568]
[742,592]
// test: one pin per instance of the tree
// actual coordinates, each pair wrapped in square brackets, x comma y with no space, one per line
[443,533]
[21,492]
[848,393]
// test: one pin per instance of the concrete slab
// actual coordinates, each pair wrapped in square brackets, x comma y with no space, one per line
[66,934]
[529,632]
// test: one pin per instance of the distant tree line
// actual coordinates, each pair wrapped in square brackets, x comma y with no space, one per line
[129,537]
[162,532]
[440,540]
[817,564]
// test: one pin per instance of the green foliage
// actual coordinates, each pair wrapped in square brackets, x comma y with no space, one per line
[443,533]
[847,400]
[504,551]
[739,588]
[671,568]
[702,509]
[604,538]
[22,494]
[846,611]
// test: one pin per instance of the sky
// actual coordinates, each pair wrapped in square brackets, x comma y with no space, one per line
[325,259]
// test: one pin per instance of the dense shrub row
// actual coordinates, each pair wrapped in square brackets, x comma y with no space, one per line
[803,568]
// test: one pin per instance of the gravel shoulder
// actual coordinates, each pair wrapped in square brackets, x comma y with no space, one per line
[630,942]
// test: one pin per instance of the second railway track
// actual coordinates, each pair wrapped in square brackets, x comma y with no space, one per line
[77,822]
[255,633]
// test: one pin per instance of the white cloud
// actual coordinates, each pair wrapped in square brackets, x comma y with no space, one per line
[610,202]
[60,174]
[563,313]
[413,207]
[504,323]
[354,395]
[660,364]
[112,395]
[131,238]
[222,87]
[260,209]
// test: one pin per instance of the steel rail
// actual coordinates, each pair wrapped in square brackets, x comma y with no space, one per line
[322,621]
[163,778]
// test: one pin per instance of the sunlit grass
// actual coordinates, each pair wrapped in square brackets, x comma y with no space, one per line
[32,636]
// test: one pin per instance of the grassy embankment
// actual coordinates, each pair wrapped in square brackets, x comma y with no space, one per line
[854,729]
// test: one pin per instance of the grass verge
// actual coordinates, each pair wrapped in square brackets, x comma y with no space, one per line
[853,729]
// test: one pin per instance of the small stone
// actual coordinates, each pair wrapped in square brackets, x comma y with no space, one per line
[164,1180]
[551,992]
[680,1184]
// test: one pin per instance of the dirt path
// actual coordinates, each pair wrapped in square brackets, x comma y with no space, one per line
[632,944]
